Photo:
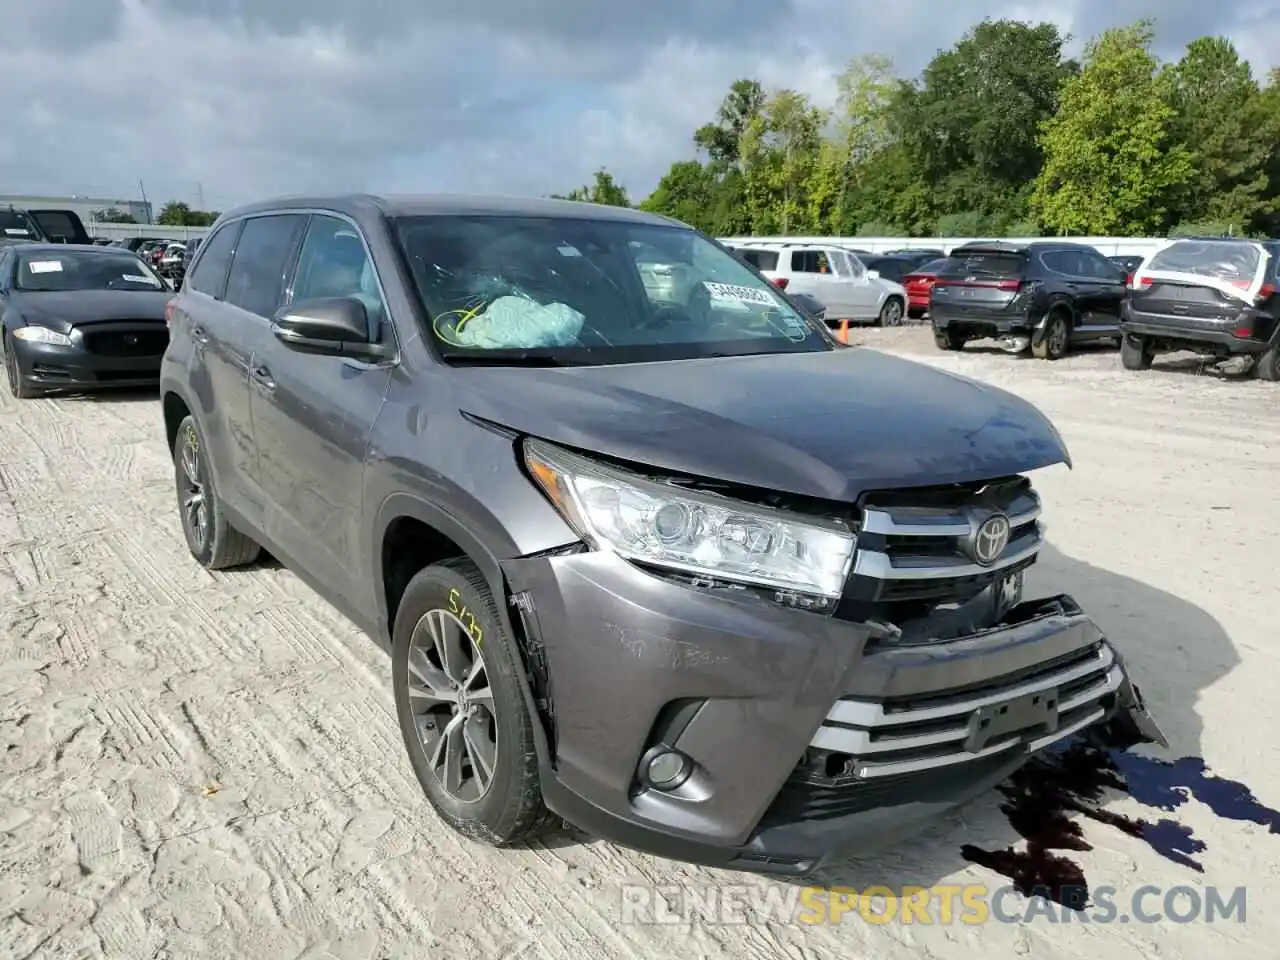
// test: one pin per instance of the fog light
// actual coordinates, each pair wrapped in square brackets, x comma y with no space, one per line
[667,770]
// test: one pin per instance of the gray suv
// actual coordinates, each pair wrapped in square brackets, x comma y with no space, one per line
[662,558]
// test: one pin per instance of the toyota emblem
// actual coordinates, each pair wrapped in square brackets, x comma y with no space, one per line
[991,539]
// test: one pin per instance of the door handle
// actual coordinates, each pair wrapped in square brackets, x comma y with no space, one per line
[263,376]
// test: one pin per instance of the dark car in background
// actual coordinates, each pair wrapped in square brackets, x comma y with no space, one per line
[610,524]
[1215,296]
[1046,296]
[43,225]
[78,318]
[1128,263]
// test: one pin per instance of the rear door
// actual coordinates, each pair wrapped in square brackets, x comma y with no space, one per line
[978,282]
[812,272]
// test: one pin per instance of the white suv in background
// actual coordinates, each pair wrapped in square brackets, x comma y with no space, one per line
[833,276]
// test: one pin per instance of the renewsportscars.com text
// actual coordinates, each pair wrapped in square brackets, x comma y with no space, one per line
[969,904]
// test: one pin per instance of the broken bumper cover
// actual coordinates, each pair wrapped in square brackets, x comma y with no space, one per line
[807,739]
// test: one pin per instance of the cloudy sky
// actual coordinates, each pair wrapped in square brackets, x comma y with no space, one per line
[230,100]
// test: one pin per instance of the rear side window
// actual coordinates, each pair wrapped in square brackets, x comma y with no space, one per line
[210,275]
[760,259]
[888,267]
[256,280]
[1066,262]
[809,261]
[985,264]
[1233,262]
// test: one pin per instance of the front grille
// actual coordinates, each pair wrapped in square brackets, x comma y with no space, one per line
[915,554]
[127,343]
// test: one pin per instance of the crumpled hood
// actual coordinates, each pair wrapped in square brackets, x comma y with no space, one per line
[62,310]
[830,425]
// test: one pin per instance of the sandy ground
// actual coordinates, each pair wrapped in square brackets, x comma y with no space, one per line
[200,765]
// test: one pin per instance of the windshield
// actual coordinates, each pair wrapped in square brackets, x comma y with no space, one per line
[46,272]
[17,225]
[1235,262]
[564,290]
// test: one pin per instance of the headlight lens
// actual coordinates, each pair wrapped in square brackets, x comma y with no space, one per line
[691,531]
[42,335]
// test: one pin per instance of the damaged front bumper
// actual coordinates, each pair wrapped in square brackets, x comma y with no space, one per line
[798,739]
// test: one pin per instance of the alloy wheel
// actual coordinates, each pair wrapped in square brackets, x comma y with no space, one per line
[453,706]
[1058,338]
[892,315]
[195,506]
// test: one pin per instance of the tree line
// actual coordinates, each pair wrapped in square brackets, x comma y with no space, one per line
[1001,135]
[175,213]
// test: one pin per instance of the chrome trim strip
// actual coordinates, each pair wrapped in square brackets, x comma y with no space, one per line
[864,713]
[944,524]
[879,566]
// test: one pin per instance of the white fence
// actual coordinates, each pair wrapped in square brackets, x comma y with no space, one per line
[1107,246]
[122,231]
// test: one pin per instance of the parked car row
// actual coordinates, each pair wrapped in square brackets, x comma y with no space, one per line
[1216,296]
[536,449]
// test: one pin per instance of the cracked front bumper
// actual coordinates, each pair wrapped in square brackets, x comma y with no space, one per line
[810,738]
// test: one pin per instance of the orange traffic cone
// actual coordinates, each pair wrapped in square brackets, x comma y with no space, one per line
[843,335]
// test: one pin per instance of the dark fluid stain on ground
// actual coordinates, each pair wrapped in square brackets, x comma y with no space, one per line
[1045,800]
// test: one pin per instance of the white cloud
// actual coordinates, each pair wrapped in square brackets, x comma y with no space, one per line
[509,96]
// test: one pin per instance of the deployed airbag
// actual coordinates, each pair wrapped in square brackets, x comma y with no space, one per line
[519,323]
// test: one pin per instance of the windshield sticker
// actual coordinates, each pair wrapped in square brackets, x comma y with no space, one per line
[568,251]
[45,266]
[134,278]
[730,291]
[17,232]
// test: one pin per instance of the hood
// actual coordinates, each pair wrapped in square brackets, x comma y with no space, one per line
[829,425]
[62,310]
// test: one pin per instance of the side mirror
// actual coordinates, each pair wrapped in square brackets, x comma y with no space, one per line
[338,326]
[873,274]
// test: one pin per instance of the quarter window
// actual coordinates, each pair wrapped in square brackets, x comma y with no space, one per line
[210,274]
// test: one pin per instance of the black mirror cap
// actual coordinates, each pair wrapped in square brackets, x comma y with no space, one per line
[332,325]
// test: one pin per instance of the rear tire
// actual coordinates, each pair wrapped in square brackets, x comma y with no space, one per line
[504,805]
[212,540]
[1135,354]
[1053,345]
[1267,366]
[948,339]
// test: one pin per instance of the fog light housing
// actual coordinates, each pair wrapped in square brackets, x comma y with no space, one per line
[666,769]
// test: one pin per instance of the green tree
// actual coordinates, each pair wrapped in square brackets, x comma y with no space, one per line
[971,124]
[687,193]
[175,213]
[1112,161]
[721,140]
[604,189]
[779,153]
[1221,119]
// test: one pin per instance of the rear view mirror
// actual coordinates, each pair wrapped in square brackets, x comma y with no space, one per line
[332,325]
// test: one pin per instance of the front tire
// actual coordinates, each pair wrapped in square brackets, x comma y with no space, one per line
[19,388]
[1135,354]
[462,710]
[212,540]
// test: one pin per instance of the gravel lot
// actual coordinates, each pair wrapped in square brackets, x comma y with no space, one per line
[207,765]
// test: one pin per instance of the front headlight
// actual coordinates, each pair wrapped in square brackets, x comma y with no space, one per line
[42,335]
[690,531]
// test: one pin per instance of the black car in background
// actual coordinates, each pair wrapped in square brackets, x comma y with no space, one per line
[43,225]
[1046,296]
[1213,296]
[1128,263]
[79,317]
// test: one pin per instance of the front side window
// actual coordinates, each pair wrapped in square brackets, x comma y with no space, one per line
[592,291]
[333,263]
[45,272]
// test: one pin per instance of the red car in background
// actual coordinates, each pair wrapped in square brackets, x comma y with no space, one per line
[919,282]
